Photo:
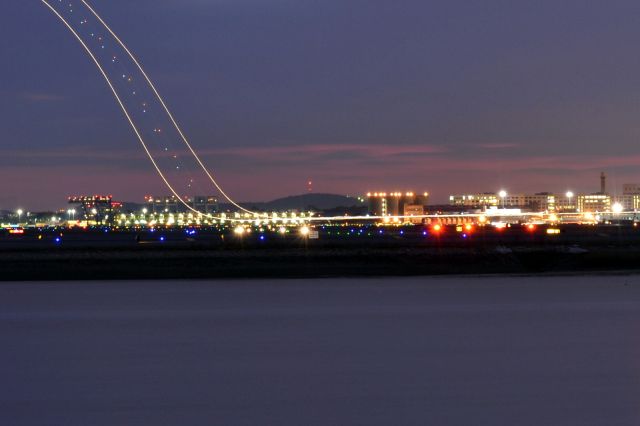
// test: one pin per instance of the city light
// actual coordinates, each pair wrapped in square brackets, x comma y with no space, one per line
[503,195]
[304,231]
[617,208]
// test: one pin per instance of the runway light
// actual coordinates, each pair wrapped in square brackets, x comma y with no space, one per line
[468,227]
[553,231]
[239,230]
[531,227]
[282,230]
[304,231]
[437,228]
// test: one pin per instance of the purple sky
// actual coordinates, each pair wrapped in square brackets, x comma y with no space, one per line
[444,96]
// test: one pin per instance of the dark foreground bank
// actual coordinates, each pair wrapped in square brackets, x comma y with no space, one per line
[397,351]
[308,262]
[338,252]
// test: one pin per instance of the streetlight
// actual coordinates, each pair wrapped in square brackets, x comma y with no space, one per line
[569,196]
[19,211]
[503,195]
[617,208]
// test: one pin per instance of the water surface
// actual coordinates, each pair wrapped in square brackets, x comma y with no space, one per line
[391,351]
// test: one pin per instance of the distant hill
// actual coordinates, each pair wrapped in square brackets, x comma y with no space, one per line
[306,202]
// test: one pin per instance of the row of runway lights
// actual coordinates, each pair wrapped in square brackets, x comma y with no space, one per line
[305,231]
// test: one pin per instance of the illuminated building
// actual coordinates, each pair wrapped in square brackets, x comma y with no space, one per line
[629,202]
[476,201]
[566,203]
[414,210]
[630,198]
[592,203]
[396,203]
[171,204]
[541,201]
[100,209]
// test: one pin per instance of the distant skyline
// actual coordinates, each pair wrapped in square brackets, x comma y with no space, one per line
[357,95]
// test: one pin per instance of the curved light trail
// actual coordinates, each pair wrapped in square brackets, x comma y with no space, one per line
[125,111]
[131,120]
[164,105]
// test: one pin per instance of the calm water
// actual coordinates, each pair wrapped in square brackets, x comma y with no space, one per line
[416,351]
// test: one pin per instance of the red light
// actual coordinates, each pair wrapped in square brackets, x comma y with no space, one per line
[437,227]
[531,227]
[468,227]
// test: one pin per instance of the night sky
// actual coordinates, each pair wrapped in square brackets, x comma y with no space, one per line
[446,96]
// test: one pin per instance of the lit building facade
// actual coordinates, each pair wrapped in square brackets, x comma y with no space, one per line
[476,201]
[542,201]
[98,209]
[593,203]
[629,202]
[397,203]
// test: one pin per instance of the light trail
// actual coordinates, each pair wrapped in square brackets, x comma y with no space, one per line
[126,113]
[164,105]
